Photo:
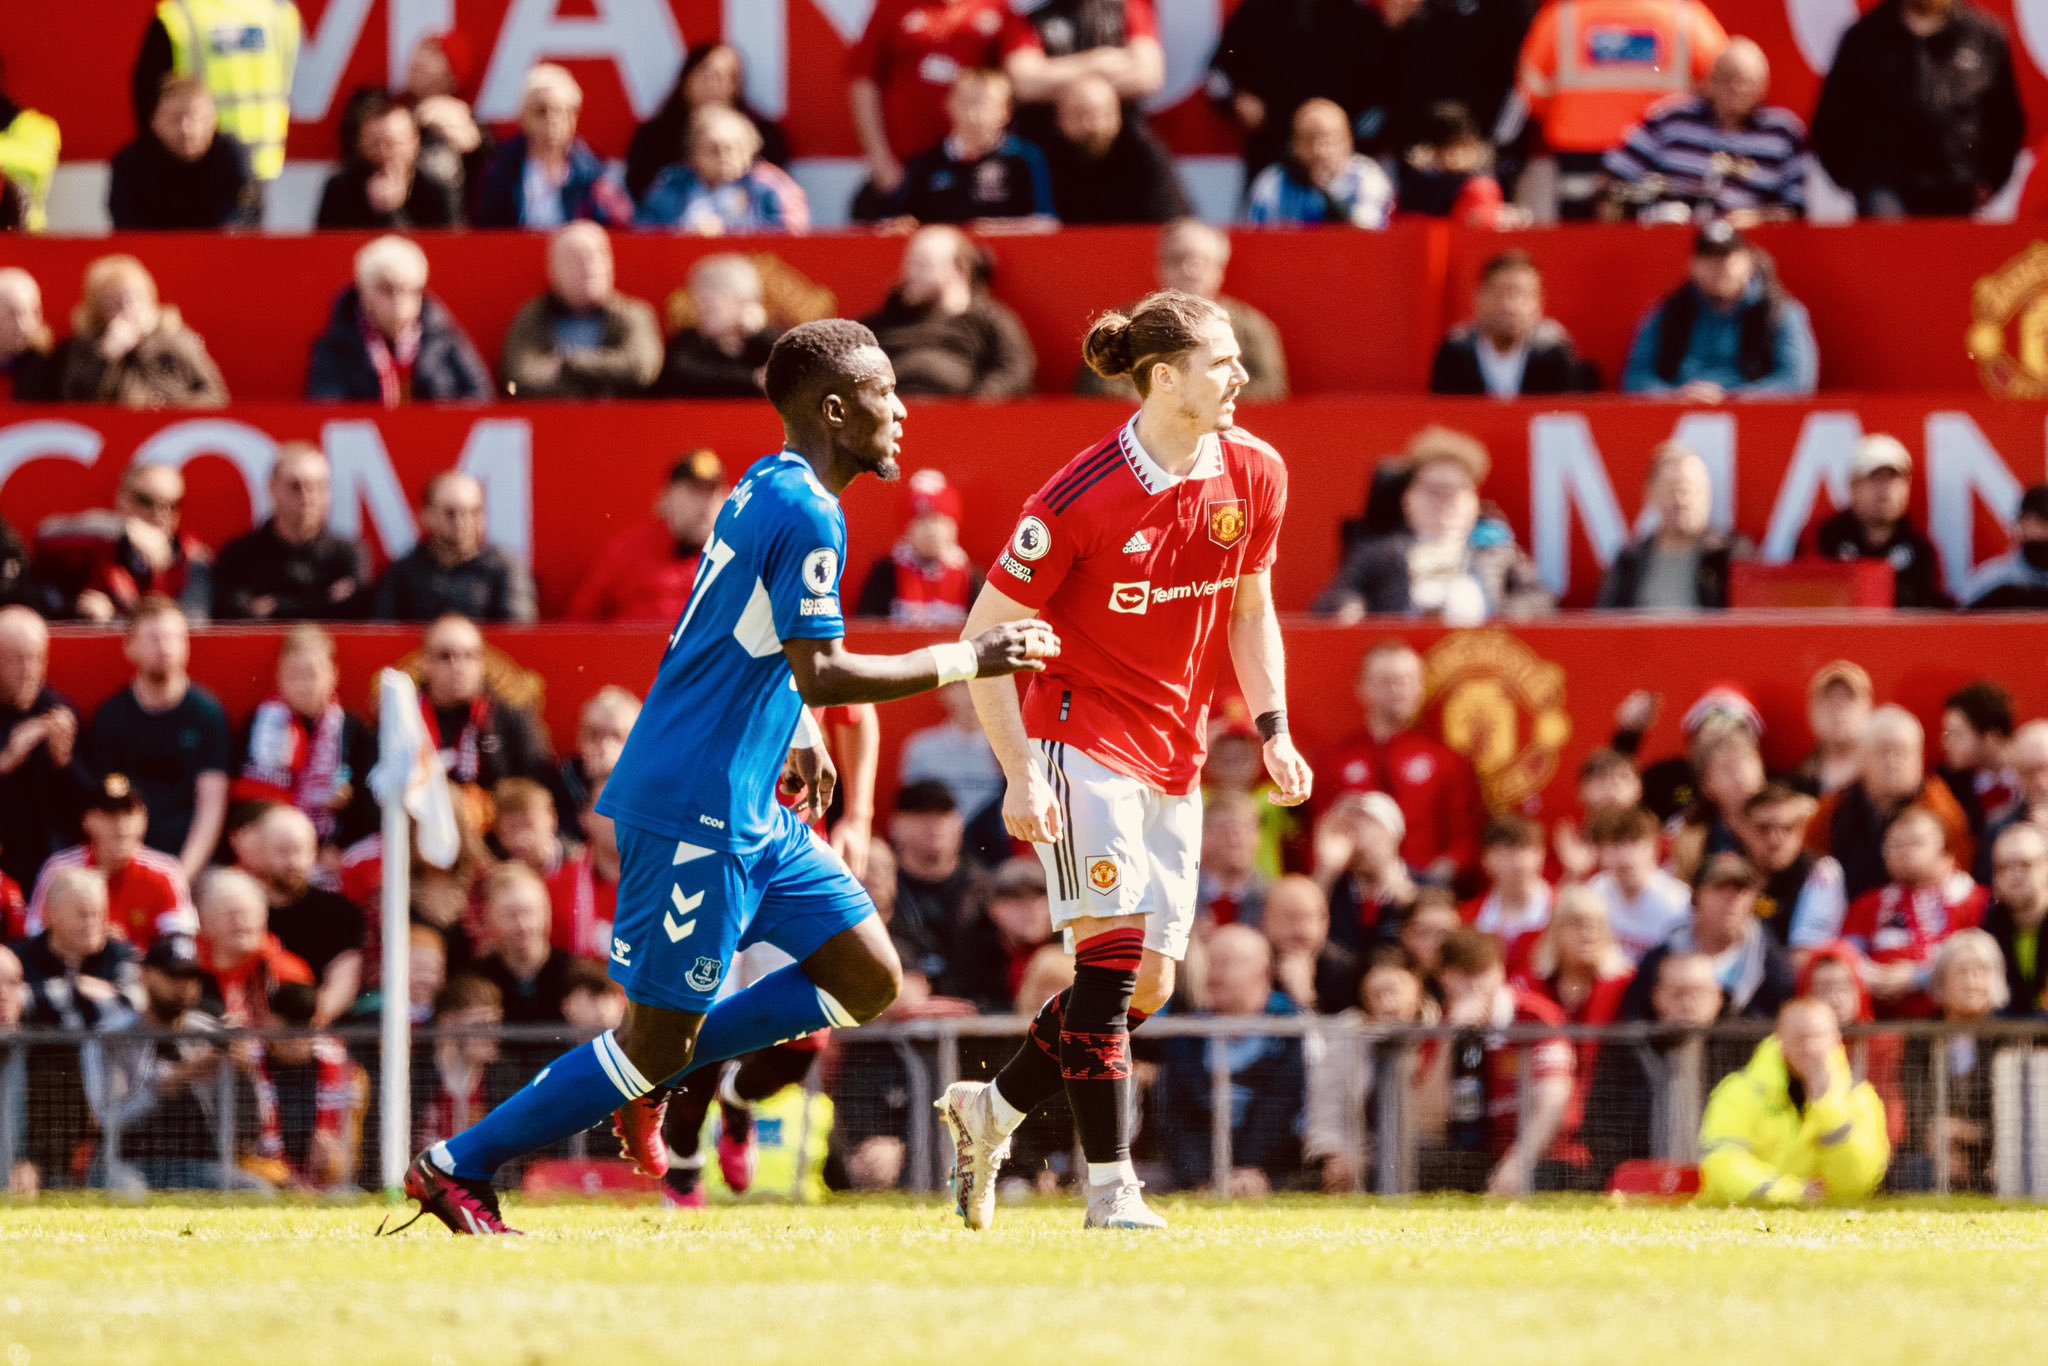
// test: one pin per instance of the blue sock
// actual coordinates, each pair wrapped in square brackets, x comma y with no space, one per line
[782,1006]
[572,1093]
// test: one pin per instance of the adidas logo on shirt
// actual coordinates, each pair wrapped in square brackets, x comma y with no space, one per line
[1137,545]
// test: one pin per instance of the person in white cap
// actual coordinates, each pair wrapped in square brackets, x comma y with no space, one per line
[1874,526]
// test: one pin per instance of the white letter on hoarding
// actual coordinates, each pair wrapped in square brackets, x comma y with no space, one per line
[364,479]
[759,31]
[639,37]
[1187,35]
[24,443]
[499,455]
[249,449]
[849,18]
[1962,466]
[1827,446]
[1565,469]
[324,55]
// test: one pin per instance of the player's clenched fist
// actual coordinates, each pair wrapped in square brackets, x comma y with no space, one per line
[1030,810]
[1014,647]
[1292,779]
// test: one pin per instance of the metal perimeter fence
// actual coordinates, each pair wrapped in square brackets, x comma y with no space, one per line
[1231,1106]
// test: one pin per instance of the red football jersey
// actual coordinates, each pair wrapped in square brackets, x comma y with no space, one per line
[1136,570]
[915,49]
[144,899]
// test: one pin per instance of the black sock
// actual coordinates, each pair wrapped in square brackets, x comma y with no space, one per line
[1032,1075]
[1095,1042]
[760,1075]
[682,1127]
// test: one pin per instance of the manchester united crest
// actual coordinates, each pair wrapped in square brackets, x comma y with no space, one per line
[2008,335]
[1503,708]
[1102,874]
[1227,522]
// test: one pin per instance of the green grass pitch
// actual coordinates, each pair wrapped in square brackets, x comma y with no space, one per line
[888,1283]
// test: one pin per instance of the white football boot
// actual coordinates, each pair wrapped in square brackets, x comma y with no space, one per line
[1119,1205]
[978,1150]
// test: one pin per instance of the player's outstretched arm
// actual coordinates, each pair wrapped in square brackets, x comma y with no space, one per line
[830,675]
[1030,810]
[1261,662]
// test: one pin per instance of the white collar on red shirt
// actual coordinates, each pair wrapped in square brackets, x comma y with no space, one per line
[1208,461]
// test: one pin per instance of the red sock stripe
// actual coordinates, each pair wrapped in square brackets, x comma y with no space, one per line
[1136,1017]
[1117,950]
[1047,1026]
[1095,1057]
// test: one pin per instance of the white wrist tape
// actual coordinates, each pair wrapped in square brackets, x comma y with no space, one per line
[956,662]
[807,736]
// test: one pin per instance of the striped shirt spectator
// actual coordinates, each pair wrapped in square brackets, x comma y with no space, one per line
[1683,152]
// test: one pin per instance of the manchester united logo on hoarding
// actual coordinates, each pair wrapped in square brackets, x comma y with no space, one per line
[2008,335]
[1502,706]
[1227,522]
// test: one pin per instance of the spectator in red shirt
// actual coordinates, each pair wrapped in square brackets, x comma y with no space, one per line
[1574,963]
[1435,787]
[147,894]
[1231,889]
[1517,900]
[236,946]
[584,893]
[1496,1140]
[645,573]
[527,829]
[101,563]
[1898,927]
[1358,865]
[904,66]
[306,750]
[927,581]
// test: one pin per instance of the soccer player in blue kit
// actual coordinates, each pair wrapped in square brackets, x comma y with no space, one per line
[711,862]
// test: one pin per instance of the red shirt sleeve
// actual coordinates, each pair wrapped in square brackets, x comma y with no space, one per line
[1017,35]
[1272,510]
[1141,20]
[1037,556]
[869,59]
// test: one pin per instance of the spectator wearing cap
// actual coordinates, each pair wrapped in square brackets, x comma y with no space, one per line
[147,893]
[1729,332]
[582,339]
[546,177]
[1755,971]
[723,186]
[42,768]
[1105,167]
[481,737]
[78,973]
[1898,927]
[1852,823]
[938,889]
[1670,787]
[1976,733]
[1000,937]
[182,173]
[1232,887]
[1192,259]
[1434,788]
[99,564]
[1839,699]
[308,751]
[1802,900]
[947,337]
[2019,908]
[1722,151]
[1325,179]
[2028,755]
[279,849]
[927,582]
[1644,903]
[1920,111]
[956,752]
[724,353]
[1509,349]
[236,947]
[28,370]
[1358,868]
[453,569]
[382,185]
[1874,526]
[388,341]
[645,573]
[1448,561]
[170,736]
[1682,565]
[293,567]
[2018,579]
[530,973]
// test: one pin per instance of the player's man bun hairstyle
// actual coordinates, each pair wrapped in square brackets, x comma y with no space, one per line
[1163,328]
[813,357]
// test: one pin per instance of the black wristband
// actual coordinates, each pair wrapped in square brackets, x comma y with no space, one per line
[1271,723]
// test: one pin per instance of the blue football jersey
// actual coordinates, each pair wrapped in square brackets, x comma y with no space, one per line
[704,759]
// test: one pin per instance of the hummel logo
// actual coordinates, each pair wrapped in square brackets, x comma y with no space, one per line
[1137,545]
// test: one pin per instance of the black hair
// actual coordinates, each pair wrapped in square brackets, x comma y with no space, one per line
[813,358]
[928,798]
[1985,705]
[294,1004]
[364,108]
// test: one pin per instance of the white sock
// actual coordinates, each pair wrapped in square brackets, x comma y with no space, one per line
[1005,1115]
[727,1094]
[1112,1173]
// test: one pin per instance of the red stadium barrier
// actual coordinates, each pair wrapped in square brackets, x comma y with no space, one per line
[561,480]
[1532,702]
[1359,313]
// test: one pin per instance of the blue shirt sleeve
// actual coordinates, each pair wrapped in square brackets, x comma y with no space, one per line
[801,570]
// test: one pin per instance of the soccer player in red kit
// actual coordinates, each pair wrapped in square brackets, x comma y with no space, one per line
[1147,554]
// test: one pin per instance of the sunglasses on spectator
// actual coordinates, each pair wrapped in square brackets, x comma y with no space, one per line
[148,502]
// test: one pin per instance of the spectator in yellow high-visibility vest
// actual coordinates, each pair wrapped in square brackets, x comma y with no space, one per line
[28,159]
[246,52]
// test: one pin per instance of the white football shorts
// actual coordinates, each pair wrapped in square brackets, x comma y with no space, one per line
[1124,849]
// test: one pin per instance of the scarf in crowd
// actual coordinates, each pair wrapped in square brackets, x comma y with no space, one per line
[930,593]
[468,747]
[290,765]
[393,362]
[588,933]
